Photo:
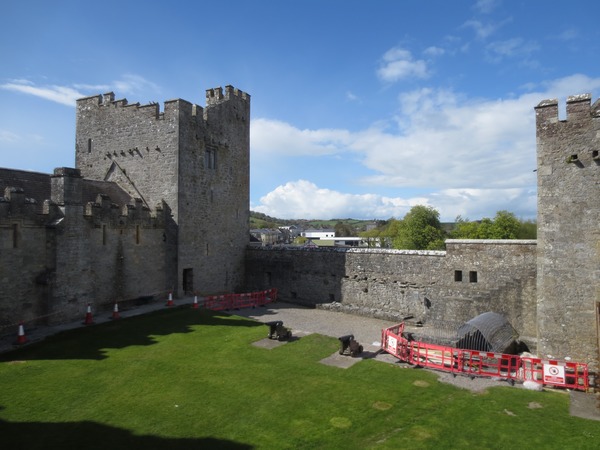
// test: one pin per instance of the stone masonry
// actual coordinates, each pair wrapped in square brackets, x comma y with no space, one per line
[568,265]
[159,202]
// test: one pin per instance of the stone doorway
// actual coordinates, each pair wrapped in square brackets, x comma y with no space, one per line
[188,281]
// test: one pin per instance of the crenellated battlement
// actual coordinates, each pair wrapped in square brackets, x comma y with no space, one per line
[579,107]
[106,101]
[215,96]
[104,211]
[15,204]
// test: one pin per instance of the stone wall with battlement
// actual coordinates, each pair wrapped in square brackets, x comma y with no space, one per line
[469,278]
[59,256]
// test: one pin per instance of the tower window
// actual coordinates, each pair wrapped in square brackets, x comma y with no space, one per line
[458,275]
[89,145]
[473,277]
[210,158]
[15,235]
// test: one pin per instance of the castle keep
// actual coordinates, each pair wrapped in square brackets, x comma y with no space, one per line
[158,202]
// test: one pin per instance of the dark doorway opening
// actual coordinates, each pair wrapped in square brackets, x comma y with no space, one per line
[188,281]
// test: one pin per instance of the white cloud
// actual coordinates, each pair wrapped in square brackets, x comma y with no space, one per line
[133,84]
[498,50]
[273,136]
[58,94]
[8,136]
[434,51]
[482,31]
[304,199]
[398,63]
[351,96]
[67,95]
[486,6]
[472,156]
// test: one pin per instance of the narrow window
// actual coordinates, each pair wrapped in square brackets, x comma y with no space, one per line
[207,249]
[89,145]
[212,195]
[210,158]
[458,275]
[15,235]
[473,276]
[137,234]
[103,234]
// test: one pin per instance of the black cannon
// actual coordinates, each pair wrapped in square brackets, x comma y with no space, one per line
[349,346]
[278,331]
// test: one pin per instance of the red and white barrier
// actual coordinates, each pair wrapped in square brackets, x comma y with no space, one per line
[195,304]
[238,301]
[474,363]
[170,300]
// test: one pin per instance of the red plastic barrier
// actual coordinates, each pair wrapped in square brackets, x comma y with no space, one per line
[238,301]
[566,374]
[483,364]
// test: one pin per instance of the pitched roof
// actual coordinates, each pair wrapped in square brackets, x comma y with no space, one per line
[37,186]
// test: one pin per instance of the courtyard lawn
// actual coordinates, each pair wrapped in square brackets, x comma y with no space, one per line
[184,378]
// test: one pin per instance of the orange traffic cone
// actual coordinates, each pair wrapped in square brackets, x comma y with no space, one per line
[88,316]
[21,338]
[170,301]
[195,304]
[115,314]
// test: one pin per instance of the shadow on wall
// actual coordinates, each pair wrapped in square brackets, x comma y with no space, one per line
[91,342]
[91,435]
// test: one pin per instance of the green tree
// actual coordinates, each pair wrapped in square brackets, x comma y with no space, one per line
[505,225]
[464,229]
[344,230]
[527,230]
[420,230]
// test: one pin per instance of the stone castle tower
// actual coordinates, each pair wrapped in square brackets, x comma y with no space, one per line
[191,161]
[568,267]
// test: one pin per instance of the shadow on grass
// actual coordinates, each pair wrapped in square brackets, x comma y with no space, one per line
[92,435]
[89,342]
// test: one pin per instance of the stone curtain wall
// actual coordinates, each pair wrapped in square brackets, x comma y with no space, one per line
[395,284]
[568,281]
[58,257]
[27,258]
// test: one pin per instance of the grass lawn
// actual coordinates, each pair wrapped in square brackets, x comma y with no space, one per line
[184,378]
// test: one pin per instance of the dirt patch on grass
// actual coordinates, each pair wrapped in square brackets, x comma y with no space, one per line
[340,422]
[382,406]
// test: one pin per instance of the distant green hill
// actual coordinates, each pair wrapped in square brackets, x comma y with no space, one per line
[260,220]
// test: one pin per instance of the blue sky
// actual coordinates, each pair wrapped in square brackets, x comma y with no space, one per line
[360,109]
